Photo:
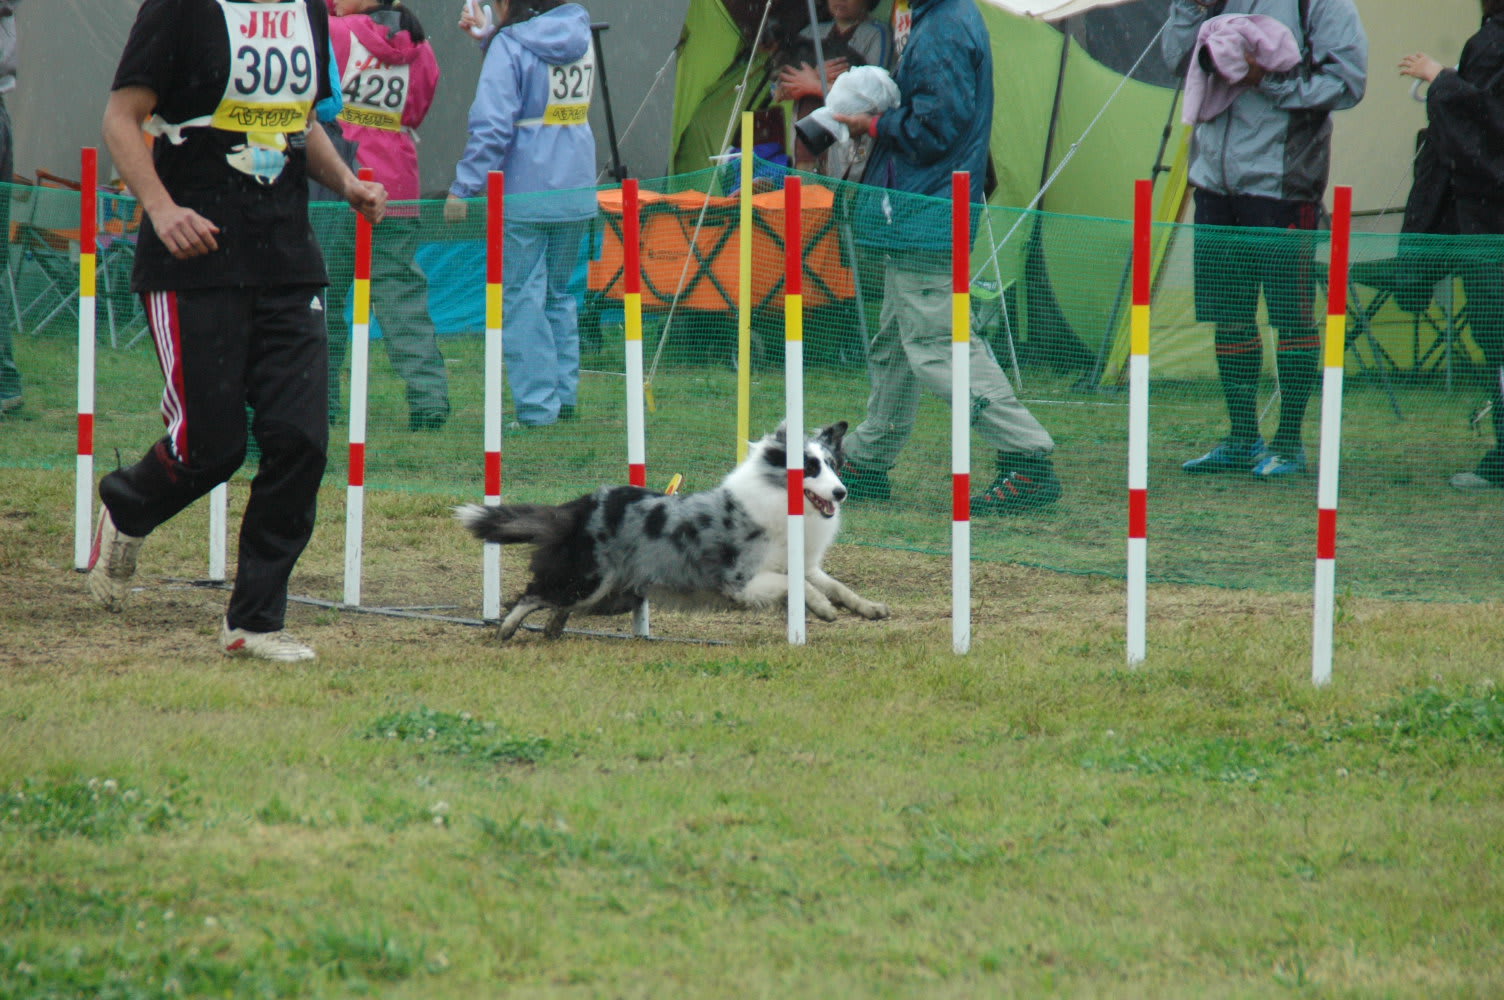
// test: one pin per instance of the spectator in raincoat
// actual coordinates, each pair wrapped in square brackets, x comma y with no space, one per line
[530,119]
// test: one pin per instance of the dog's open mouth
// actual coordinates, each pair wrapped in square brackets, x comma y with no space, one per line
[824,506]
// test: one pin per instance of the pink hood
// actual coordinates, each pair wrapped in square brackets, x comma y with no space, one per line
[392,156]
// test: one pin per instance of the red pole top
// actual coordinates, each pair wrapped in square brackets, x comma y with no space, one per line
[960,231]
[363,236]
[1143,217]
[1342,225]
[88,196]
[793,238]
[631,238]
[495,198]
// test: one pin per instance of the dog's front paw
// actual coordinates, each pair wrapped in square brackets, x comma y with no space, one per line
[820,607]
[872,611]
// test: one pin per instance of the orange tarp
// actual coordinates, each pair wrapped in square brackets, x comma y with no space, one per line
[710,279]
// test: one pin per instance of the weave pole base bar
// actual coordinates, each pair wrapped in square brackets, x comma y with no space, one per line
[424,614]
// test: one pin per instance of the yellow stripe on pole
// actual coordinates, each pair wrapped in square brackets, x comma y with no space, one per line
[493,307]
[632,303]
[1336,340]
[793,308]
[960,317]
[1138,338]
[86,275]
[362,310]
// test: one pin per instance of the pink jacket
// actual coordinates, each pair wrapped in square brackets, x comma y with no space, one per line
[381,74]
[1229,40]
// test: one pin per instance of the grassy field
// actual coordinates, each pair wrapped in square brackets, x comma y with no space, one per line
[424,813]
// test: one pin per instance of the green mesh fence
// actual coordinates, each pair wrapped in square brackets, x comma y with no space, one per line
[1050,297]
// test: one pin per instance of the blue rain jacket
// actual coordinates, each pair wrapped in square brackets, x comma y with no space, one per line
[511,125]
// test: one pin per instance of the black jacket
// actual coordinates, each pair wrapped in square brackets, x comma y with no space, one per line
[1459,171]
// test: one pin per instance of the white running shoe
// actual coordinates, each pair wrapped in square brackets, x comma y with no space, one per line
[1471,482]
[262,645]
[112,562]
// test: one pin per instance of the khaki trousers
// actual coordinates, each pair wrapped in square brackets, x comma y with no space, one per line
[912,351]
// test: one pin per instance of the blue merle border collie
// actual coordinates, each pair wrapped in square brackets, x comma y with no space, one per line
[727,547]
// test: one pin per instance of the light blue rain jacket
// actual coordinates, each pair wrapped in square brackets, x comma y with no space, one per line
[510,130]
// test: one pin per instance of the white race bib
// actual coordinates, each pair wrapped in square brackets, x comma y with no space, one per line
[273,79]
[375,93]
[570,88]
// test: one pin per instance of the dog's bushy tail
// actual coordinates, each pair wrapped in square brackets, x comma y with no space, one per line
[514,523]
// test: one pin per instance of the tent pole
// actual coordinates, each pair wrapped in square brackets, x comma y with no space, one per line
[1093,379]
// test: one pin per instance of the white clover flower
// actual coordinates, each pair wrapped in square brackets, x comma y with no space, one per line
[110,786]
[432,733]
[131,795]
[439,808]
[168,915]
[93,784]
[465,716]
[211,922]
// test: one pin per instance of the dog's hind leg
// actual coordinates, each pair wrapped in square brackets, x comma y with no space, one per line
[526,605]
[555,626]
[844,596]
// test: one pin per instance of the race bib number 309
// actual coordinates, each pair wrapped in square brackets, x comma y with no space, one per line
[273,73]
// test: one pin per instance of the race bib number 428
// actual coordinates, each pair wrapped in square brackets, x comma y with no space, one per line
[375,93]
[273,73]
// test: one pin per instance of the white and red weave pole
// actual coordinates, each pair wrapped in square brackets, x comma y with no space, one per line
[88,223]
[1138,427]
[219,526]
[960,411]
[637,463]
[360,377]
[1333,352]
[491,551]
[793,398]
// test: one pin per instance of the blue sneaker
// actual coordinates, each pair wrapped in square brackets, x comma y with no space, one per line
[1275,465]
[1229,456]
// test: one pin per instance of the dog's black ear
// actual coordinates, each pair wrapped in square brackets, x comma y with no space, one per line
[832,435]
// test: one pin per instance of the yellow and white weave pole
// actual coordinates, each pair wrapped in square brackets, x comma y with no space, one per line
[744,298]
[1334,350]
[360,378]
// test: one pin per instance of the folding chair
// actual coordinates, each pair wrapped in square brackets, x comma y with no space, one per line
[47,242]
[120,218]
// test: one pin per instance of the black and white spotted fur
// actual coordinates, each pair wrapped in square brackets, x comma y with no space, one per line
[610,550]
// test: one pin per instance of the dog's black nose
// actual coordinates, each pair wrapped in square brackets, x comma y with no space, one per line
[839,493]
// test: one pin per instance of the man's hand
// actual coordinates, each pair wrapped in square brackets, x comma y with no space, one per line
[368,198]
[1420,66]
[183,231]
[455,209]
[1255,71]
[858,123]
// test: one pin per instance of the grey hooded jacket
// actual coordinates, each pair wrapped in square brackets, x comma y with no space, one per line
[1275,140]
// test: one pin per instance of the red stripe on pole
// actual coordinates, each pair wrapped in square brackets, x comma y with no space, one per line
[357,463]
[793,243]
[1143,214]
[796,492]
[960,231]
[1138,513]
[363,237]
[493,473]
[1342,214]
[631,237]
[86,434]
[496,187]
[637,473]
[960,496]
[88,214]
[1326,533]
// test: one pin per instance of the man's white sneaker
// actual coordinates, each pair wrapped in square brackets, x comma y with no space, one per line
[112,562]
[1471,482]
[262,645]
